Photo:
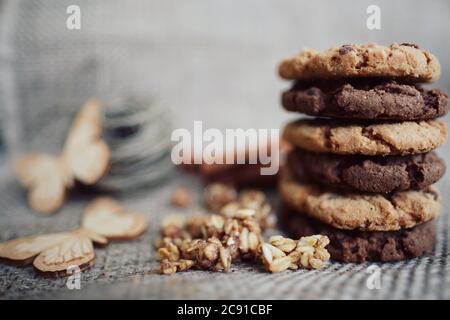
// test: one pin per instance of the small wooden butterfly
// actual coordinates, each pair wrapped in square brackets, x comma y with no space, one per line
[85,158]
[104,219]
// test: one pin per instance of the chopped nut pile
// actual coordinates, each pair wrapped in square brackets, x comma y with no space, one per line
[248,201]
[213,242]
[207,242]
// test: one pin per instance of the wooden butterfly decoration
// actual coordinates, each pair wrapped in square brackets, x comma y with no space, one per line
[104,219]
[85,157]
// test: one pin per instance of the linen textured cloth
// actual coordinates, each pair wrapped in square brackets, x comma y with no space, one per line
[203,59]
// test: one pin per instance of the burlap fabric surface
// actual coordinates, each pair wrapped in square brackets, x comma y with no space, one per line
[130,269]
[47,72]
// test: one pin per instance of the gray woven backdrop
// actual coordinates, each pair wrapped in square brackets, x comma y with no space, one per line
[204,60]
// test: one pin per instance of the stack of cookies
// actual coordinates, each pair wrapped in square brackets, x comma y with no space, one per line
[362,171]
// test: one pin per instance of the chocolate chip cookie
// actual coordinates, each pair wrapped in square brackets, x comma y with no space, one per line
[366,99]
[361,211]
[384,138]
[365,173]
[360,246]
[401,61]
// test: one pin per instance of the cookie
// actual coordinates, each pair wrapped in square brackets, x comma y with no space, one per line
[360,246]
[404,61]
[239,175]
[385,138]
[365,173]
[244,176]
[368,212]
[366,99]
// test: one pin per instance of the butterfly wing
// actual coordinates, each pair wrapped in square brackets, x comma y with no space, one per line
[46,177]
[23,249]
[85,153]
[95,237]
[106,217]
[76,250]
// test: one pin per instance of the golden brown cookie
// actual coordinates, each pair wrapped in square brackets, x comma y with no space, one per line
[368,212]
[368,139]
[404,61]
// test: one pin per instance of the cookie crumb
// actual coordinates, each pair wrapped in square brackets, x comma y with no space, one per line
[181,198]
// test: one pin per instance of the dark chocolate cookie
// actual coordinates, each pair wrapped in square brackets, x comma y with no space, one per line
[361,246]
[366,99]
[367,173]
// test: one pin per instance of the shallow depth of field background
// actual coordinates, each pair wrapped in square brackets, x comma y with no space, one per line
[207,60]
